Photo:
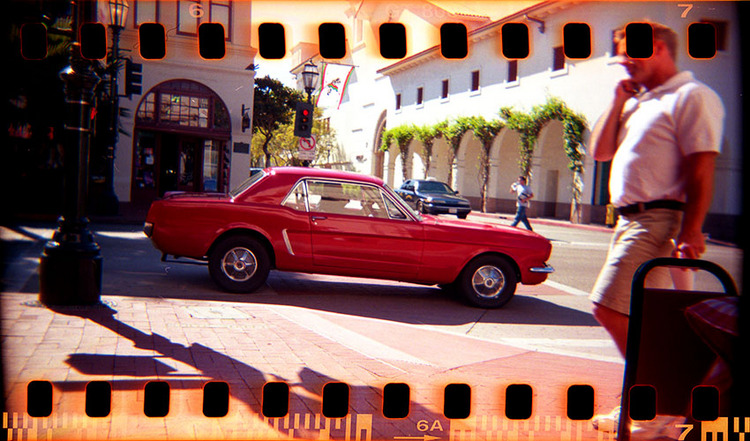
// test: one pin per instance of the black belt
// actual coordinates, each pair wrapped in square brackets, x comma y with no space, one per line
[643,206]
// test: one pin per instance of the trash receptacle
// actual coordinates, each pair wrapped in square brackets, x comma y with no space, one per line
[610,217]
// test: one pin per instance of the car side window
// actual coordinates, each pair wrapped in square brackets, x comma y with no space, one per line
[296,198]
[346,198]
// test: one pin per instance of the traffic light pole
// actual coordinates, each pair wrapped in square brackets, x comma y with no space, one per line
[110,202]
[70,272]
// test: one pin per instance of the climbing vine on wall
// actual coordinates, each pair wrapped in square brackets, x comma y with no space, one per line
[528,124]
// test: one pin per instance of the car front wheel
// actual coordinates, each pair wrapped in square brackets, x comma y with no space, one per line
[488,282]
[239,264]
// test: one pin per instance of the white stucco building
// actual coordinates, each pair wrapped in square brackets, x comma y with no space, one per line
[425,88]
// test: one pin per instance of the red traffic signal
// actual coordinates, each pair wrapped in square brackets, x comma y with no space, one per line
[303,120]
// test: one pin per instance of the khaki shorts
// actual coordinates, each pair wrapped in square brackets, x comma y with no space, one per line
[638,238]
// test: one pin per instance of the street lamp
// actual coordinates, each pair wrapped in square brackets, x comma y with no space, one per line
[118,14]
[70,270]
[310,79]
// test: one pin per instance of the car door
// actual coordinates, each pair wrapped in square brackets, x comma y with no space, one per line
[358,230]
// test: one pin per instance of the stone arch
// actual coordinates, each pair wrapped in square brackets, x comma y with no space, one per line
[552,179]
[181,141]
[504,171]
[378,156]
[441,163]
[467,168]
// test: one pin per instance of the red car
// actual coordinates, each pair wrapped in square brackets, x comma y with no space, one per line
[340,223]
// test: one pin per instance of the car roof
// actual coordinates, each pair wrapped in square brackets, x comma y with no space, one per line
[301,172]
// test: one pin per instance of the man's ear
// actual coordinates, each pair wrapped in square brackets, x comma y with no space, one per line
[661,49]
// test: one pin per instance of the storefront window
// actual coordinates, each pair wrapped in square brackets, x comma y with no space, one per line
[145,161]
[210,165]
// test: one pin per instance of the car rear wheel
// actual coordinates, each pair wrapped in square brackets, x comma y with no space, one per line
[239,264]
[488,282]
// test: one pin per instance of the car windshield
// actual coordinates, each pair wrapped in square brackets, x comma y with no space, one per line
[434,187]
[247,184]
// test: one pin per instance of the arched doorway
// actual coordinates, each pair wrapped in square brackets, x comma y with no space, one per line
[182,134]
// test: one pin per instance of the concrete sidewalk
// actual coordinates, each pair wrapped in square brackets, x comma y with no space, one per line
[168,324]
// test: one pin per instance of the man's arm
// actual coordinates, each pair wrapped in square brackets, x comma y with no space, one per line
[699,177]
[604,134]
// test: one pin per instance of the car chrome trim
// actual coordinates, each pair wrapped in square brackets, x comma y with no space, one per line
[546,269]
[287,242]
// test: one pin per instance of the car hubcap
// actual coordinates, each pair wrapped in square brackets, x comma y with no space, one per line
[488,281]
[239,264]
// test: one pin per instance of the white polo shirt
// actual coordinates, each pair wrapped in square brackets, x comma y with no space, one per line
[658,129]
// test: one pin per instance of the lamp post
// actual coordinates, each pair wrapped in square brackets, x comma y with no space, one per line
[70,271]
[118,13]
[310,82]
[310,79]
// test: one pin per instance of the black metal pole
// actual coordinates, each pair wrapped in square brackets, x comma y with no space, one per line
[70,272]
[110,202]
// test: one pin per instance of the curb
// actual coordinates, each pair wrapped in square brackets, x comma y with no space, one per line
[546,221]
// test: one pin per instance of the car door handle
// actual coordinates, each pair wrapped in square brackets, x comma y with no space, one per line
[317,218]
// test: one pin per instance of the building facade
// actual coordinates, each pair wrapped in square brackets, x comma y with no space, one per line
[425,88]
[185,131]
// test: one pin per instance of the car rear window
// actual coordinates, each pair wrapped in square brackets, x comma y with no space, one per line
[247,184]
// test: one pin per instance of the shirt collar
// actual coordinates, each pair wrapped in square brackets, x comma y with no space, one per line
[673,83]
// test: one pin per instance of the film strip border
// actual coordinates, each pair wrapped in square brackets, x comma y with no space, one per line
[703,40]
[335,401]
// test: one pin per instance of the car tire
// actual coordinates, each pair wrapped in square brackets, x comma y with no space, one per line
[239,264]
[463,215]
[488,282]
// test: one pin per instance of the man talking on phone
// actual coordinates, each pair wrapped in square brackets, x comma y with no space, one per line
[662,132]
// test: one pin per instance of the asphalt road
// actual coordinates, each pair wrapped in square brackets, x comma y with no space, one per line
[552,317]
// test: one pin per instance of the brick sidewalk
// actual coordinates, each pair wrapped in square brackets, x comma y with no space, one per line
[129,342]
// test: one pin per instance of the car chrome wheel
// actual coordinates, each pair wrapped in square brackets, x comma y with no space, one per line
[239,264]
[488,281]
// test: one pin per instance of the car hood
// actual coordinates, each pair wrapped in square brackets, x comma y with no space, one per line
[443,196]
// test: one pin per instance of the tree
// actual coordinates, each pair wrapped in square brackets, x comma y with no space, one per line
[453,133]
[485,131]
[282,148]
[403,135]
[427,135]
[273,106]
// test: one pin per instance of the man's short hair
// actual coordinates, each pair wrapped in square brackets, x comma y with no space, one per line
[662,33]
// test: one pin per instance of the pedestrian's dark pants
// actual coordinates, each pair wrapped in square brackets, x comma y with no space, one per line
[521,217]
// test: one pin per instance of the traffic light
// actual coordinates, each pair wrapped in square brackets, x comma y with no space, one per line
[133,78]
[303,120]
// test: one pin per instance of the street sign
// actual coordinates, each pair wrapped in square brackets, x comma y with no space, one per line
[307,148]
